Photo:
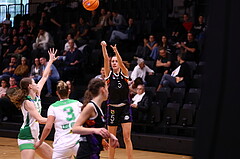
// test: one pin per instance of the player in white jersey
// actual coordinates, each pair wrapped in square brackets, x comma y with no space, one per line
[28,100]
[63,114]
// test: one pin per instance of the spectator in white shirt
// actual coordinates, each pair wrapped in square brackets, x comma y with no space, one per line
[141,70]
[44,40]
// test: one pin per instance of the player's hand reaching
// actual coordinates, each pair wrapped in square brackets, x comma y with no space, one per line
[103,43]
[52,54]
[114,47]
[37,144]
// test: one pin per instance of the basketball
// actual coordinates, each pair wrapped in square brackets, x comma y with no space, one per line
[90,4]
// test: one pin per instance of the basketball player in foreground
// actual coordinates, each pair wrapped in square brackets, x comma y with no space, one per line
[63,114]
[119,110]
[27,98]
[90,124]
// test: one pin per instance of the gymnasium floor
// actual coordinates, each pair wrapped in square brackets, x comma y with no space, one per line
[9,150]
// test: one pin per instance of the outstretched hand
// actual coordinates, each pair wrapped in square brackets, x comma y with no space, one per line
[114,47]
[52,53]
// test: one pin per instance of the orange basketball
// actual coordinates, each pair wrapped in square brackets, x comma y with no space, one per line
[90,4]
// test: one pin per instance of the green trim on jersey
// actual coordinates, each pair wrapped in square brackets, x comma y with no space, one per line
[63,102]
[25,133]
[26,146]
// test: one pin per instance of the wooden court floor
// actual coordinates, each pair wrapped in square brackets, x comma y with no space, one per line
[9,150]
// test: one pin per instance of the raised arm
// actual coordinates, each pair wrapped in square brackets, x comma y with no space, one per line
[46,72]
[119,59]
[106,58]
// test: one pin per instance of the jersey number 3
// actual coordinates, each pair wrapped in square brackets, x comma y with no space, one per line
[70,113]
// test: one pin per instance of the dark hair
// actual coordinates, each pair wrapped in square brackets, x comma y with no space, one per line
[92,90]
[19,96]
[182,54]
[62,89]
[7,81]
[137,82]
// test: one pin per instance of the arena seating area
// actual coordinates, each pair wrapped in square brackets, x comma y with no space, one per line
[173,112]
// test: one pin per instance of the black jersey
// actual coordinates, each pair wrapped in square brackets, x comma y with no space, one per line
[90,145]
[118,88]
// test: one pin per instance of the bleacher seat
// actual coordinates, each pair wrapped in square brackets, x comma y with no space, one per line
[195,82]
[162,96]
[153,80]
[193,96]
[187,114]
[171,112]
[178,95]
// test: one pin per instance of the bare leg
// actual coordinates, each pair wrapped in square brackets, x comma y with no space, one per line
[127,139]
[27,154]
[111,150]
[45,151]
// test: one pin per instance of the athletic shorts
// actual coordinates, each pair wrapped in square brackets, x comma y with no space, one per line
[118,115]
[85,152]
[66,153]
[26,144]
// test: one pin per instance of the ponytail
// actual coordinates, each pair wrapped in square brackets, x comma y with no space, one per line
[87,98]
[18,97]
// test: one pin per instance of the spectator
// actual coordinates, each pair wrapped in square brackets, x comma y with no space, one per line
[118,22]
[12,47]
[22,70]
[133,86]
[22,50]
[7,109]
[102,74]
[67,46]
[9,70]
[163,44]
[73,30]
[32,32]
[3,88]
[199,28]
[190,48]
[22,29]
[180,77]
[141,104]
[141,70]
[163,62]
[53,75]
[83,31]
[71,61]
[145,50]
[7,21]
[35,70]
[43,41]
[128,34]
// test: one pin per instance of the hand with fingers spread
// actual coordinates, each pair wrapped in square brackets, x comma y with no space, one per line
[103,132]
[52,53]
[114,47]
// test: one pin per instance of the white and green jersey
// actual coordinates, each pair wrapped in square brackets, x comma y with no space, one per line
[66,113]
[30,126]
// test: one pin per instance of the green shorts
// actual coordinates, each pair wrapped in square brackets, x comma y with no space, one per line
[26,144]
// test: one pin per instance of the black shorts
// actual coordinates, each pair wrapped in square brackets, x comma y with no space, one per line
[118,115]
[85,152]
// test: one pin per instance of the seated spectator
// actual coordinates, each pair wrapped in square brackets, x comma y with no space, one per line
[43,41]
[102,74]
[35,70]
[67,46]
[7,109]
[12,47]
[133,86]
[163,62]
[22,29]
[163,44]
[141,104]
[83,32]
[3,88]
[32,32]
[22,70]
[128,34]
[180,77]
[73,29]
[9,70]
[53,76]
[22,50]
[199,28]
[72,59]
[4,39]
[190,48]
[145,50]
[141,70]
[118,21]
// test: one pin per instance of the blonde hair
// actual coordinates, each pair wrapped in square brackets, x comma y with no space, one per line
[62,89]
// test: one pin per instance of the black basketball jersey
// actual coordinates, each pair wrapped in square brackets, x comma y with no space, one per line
[118,88]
